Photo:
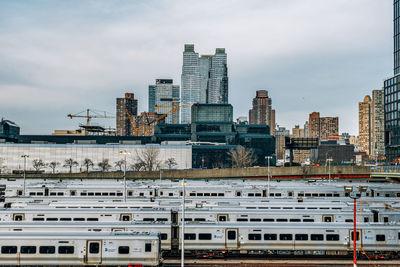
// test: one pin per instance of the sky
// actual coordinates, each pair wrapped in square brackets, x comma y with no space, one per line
[61,57]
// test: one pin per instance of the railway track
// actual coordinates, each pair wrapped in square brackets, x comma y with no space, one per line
[275,262]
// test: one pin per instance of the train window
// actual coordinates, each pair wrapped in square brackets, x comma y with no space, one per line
[18,217]
[221,194]
[39,193]
[47,249]
[162,219]
[300,194]
[192,194]
[84,194]
[385,219]
[241,220]
[380,238]
[90,194]
[387,195]
[346,194]
[308,194]
[357,235]
[163,236]
[314,194]
[300,208]
[52,219]
[65,219]
[349,220]
[92,219]
[60,193]
[250,194]
[38,219]
[327,218]
[65,250]
[322,195]
[73,193]
[199,219]
[308,220]
[19,192]
[198,194]
[222,218]
[290,194]
[171,194]
[9,249]
[271,194]
[232,235]
[32,193]
[398,235]
[397,194]
[148,219]
[255,219]
[295,220]
[206,194]
[332,237]
[119,194]
[53,194]
[123,250]
[104,194]
[254,236]
[28,249]
[147,247]
[317,237]
[285,237]
[94,248]
[97,194]
[204,236]
[329,195]
[268,220]
[281,220]
[190,236]
[112,193]
[188,219]
[238,193]
[214,194]
[301,237]
[79,219]
[270,236]
[366,219]
[151,193]
[126,217]
[278,194]
[336,195]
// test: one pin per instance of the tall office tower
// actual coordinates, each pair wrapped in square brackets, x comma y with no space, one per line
[365,125]
[125,105]
[190,81]
[322,127]
[273,122]
[261,110]
[306,131]
[391,94]
[217,92]
[204,79]
[280,149]
[164,97]
[378,130]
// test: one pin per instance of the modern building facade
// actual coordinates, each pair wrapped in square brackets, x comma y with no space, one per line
[261,112]
[392,94]
[322,127]
[204,79]
[378,125]
[127,106]
[365,125]
[164,97]
[8,128]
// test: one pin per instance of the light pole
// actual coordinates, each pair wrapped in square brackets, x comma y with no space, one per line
[183,225]
[329,169]
[24,156]
[124,153]
[355,194]
[268,158]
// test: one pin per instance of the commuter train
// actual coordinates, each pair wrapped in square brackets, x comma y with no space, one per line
[207,239]
[77,248]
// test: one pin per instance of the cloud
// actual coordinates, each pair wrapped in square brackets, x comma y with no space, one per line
[61,57]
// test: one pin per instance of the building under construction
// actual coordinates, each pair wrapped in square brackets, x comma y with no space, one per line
[126,108]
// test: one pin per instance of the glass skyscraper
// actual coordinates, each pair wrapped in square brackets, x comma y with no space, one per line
[163,96]
[204,79]
[392,94]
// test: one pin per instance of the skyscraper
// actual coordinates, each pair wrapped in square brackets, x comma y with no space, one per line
[125,105]
[204,79]
[392,94]
[322,127]
[163,97]
[378,130]
[261,112]
[365,125]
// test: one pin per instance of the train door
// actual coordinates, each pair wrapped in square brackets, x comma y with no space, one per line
[232,238]
[358,239]
[93,252]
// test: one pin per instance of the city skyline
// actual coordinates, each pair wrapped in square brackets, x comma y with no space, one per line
[61,58]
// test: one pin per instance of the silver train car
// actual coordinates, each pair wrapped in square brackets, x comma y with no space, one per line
[211,239]
[77,248]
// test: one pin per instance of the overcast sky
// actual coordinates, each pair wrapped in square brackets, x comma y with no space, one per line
[61,57]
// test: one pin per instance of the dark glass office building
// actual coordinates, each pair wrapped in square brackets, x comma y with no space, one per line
[392,94]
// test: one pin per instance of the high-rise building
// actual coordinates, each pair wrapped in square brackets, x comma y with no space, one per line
[261,112]
[126,107]
[297,131]
[306,129]
[378,126]
[391,94]
[163,97]
[204,79]
[273,122]
[365,125]
[280,148]
[322,127]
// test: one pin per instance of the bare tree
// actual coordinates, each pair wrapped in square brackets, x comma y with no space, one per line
[70,163]
[148,159]
[171,162]
[119,164]
[104,165]
[53,165]
[38,164]
[87,163]
[242,157]
[137,166]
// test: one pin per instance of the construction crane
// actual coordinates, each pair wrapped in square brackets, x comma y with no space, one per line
[91,114]
[174,109]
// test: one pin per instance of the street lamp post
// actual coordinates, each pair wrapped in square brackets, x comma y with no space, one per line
[183,225]
[124,153]
[329,169]
[24,156]
[268,176]
[355,194]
